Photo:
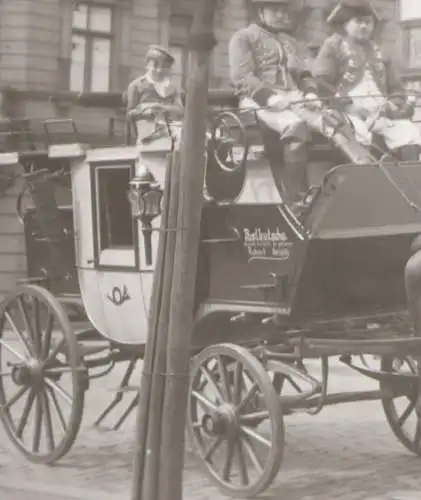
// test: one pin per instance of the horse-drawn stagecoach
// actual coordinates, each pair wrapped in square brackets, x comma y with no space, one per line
[273,289]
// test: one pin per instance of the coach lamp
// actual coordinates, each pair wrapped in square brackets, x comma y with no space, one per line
[145,197]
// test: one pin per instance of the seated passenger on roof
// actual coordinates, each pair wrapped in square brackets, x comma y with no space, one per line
[351,65]
[154,93]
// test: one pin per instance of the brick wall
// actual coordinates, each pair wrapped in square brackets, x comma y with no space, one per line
[35,47]
[14,36]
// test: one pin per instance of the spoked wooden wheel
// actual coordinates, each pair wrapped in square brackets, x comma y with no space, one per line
[41,375]
[399,402]
[235,421]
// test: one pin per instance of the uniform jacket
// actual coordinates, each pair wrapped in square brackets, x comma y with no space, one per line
[262,62]
[143,91]
[340,66]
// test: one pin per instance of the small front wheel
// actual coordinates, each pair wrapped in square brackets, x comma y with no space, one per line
[234,420]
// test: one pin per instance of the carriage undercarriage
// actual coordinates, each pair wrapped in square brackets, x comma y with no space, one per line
[235,391]
[250,347]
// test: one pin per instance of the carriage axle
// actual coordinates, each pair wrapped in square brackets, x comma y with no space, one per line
[329,400]
[32,372]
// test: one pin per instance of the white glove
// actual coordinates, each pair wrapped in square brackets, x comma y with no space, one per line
[278,102]
[314,101]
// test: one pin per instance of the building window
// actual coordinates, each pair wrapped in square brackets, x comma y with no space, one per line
[179,33]
[410,16]
[410,10]
[181,65]
[92,39]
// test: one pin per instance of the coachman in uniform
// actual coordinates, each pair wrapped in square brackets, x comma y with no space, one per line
[350,65]
[271,71]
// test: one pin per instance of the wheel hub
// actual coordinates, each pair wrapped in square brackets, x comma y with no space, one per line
[222,422]
[29,373]
[20,375]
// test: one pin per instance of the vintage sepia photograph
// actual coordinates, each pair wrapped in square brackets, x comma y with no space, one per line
[210,249]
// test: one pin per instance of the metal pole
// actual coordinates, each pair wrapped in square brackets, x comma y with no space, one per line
[186,252]
[148,381]
[153,442]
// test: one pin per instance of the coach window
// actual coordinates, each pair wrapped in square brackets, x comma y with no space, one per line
[410,16]
[92,45]
[115,227]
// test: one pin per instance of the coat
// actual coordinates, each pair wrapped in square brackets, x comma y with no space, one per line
[143,92]
[340,66]
[262,63]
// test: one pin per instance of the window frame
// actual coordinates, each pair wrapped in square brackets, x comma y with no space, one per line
[407,26]
[179,32]
[408,20]
[90,35]
[113,256]
[185,61]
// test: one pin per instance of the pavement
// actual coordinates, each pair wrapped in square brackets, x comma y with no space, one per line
[346,452]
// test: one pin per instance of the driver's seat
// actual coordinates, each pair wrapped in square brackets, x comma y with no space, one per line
[406,153]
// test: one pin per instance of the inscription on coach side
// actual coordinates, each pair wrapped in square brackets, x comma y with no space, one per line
[267,243]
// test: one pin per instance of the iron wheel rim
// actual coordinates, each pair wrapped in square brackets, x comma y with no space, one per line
[45,396]
[398,419]
[239,444]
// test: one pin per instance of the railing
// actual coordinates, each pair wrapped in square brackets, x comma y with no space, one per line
[31,136]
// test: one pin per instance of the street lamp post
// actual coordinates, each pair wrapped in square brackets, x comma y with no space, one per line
[145,196]
[159,447]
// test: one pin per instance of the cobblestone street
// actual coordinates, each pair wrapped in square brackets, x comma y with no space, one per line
[346,452]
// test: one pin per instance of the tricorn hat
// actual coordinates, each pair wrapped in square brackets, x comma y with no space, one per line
[347,9]
[159,52]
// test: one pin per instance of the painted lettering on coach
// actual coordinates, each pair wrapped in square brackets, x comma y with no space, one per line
[267,243]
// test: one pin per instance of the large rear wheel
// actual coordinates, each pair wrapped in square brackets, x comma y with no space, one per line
[399,401]
[42,377]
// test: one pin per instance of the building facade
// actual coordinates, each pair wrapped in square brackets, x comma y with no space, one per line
[51,50]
